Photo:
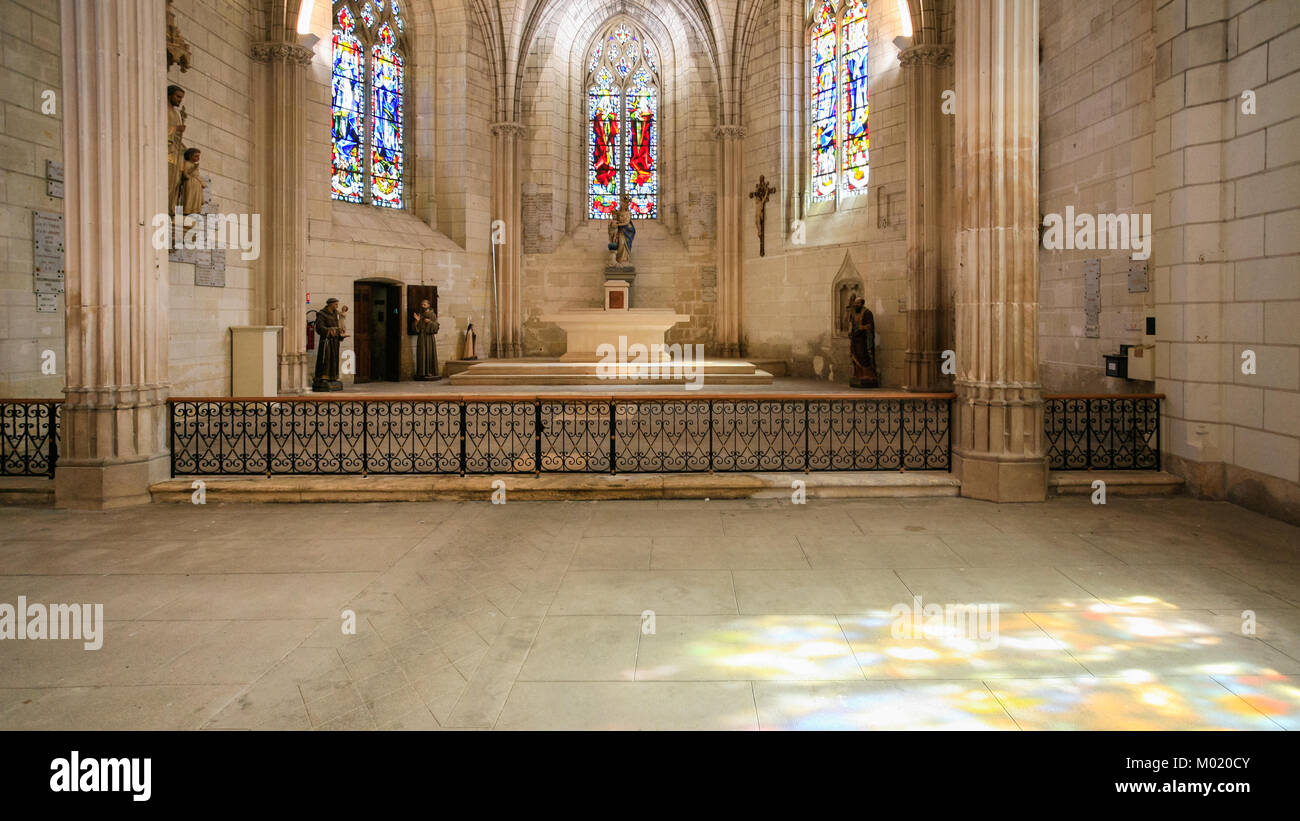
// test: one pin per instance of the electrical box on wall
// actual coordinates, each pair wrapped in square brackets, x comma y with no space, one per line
[1142,358]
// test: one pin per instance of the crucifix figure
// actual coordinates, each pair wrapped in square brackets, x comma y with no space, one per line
[759,195]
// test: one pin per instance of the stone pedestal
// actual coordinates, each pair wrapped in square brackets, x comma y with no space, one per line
[616,295]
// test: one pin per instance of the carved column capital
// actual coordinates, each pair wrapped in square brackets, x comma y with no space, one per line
[728,132]
[925,53]
[272,50]
[507,128]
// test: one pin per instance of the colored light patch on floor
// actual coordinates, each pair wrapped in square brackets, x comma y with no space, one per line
[879,705]
[1134,702]
[1275,696]
[709,648]
[1114,641]
[1019,648]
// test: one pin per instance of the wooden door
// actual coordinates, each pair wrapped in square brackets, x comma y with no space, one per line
[361,318]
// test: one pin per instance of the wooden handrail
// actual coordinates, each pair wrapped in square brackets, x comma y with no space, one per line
[683,396]
[1103,396]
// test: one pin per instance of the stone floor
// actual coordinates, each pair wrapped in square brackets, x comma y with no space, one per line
[766,615]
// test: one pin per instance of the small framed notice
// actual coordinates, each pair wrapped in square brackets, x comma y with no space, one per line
[47,303]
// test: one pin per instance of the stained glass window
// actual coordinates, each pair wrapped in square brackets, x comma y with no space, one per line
[837,99]
[369,149]
[623,123]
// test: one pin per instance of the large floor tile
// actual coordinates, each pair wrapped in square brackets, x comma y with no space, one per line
[712,705]
[1012,588]
[824,592]
[584,648]
[632,592]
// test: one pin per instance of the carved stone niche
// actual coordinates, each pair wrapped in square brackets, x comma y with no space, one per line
[846,287]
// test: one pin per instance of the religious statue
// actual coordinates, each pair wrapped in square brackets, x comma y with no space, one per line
[426,348]
[343,322]
[189,194]
[862,345]
[328,352]
[470,348]
[175,141]
[621,233]
[760,195]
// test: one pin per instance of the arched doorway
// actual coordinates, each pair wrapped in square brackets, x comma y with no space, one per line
[377,330]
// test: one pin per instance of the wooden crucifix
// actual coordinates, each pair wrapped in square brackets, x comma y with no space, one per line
[760,195]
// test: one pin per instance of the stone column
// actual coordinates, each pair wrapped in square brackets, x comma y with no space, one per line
[115,421]
[922,77]
[731,198]
[284,238]
[999,449]
[507,206]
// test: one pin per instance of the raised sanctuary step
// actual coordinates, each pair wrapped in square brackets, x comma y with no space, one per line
[535,372]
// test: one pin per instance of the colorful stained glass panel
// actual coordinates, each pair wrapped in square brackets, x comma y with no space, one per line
[855,139]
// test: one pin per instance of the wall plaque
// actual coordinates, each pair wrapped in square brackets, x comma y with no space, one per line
[211,271]
[41,285]
[1092,298]
[47,244]
[54,179]
[1138,280]
[47,303]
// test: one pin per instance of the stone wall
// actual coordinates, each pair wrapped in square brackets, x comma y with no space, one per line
[1097,125]
[29,67]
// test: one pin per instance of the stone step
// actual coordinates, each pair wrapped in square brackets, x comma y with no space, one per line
[1118,482]
[535,372]
[561,486]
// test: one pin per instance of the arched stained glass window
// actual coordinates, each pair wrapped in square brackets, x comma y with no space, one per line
[369,150]
[839,140]
[623,122]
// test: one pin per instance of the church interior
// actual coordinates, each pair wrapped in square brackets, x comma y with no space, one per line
[650,364]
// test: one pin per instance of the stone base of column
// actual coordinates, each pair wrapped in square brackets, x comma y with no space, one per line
[507,350]
[1001,480]
[108,486]
[293,374]
[923,373]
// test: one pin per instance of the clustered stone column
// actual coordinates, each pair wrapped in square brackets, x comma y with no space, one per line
[507,206]
[923,66]
[731,164]
[999,450]
[115,422]
[285,241]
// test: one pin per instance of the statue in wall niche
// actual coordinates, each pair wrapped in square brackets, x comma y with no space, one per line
[862,345]
[189,194]
[470,348]
[328,351]
[621,233]
[175,140]
[426,346]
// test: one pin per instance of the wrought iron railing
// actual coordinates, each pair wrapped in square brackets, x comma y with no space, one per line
[559,434]
[1103,432]
[29,436]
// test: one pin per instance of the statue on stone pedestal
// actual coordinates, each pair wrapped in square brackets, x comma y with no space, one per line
[327,353]
[862,345]
[621,233]
[426,347]
[175,141]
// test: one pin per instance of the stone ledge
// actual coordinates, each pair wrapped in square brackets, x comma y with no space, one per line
[1118,482]
[573,486]
[25,490]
